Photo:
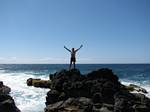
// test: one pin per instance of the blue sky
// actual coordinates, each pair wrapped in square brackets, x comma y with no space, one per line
[111,31]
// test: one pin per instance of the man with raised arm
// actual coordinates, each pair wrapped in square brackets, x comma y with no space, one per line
[73,55]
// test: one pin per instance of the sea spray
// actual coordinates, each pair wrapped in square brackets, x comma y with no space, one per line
[144,85]
[27,99]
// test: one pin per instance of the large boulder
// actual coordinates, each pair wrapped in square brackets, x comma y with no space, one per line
[103,74]
[97,91]
[131,102]
[123,102]
[80,104]
[1,84]
[52,97]
[133,87]
[4,89]
[7,103]
[99,86]
[38,83]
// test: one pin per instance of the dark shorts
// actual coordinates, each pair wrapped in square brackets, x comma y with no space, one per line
[73,59]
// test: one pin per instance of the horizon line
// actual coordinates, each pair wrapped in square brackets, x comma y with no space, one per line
[63,63]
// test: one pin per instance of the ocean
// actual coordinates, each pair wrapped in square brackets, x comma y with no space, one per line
[30,99]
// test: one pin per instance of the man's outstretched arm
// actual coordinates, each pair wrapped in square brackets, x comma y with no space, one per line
[67,49]
[79,48]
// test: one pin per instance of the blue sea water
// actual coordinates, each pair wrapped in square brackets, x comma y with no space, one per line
[30,99]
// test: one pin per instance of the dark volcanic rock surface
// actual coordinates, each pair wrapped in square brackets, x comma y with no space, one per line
[7,104]
[98,91]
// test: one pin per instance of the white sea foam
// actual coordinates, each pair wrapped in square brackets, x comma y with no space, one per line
[144,85]
[27,99]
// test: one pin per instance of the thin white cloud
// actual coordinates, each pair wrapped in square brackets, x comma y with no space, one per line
[13,58]
[1,58]
[59,60]
[46,60]
[52,59]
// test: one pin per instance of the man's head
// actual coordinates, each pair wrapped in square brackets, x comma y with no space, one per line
[72,49]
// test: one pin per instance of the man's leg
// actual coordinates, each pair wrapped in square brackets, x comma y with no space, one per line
[74,64]
[70,64]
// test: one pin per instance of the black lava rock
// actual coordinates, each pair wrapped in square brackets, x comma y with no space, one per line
[97,91]
[7,103]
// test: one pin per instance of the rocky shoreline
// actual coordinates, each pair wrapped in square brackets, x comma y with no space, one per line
[71,91]
[7,103]
[98,91]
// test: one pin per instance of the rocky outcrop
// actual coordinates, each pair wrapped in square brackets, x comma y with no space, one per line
[133,87]
[98,91]
[7,103]
[38,83]
[4,89]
